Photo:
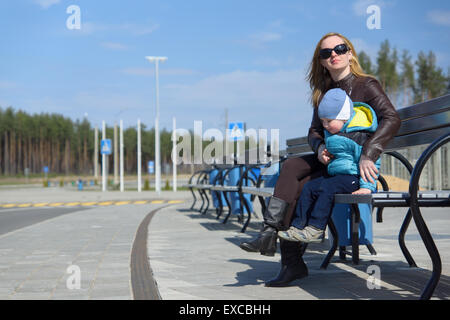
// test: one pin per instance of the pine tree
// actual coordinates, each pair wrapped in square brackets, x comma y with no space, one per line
[431,82]
[387,70]
[366,64]
[407,77]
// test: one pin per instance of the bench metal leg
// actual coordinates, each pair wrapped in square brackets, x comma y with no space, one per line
[219,210]
[355,233]
[432,251]
[207,203]
[247,207]
[334,246]
[420,222]
[401,239]
[371,249]
[203,200]
[229,208]
[342,253]
[195,199]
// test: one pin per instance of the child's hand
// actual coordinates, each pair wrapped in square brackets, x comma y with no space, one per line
[362,191]
[323,155]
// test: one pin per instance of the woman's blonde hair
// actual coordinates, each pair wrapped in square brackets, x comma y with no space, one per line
[319,77]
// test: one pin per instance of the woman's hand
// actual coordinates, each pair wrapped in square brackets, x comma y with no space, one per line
[323,155]
[367,169]
[362,191]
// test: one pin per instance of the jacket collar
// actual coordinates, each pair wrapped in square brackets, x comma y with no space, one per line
[345,83]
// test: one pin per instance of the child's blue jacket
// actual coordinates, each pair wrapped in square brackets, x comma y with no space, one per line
[346,145]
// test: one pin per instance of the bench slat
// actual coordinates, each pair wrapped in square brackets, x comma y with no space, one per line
[299,149]
[264,192]
[425,108]
[225,188]
[296,141]
[416,139]
[428,122]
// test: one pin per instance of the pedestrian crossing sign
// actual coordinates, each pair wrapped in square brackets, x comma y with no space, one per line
[236,131]
[105,146]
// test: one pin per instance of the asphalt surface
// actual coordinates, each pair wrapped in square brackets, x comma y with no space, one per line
[15,219]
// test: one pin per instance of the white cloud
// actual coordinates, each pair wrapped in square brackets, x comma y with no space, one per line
[278,99]
[114,46]
[88,28]
[370,49]
[267,62]
[261,40]
[8,85]
[439,17]
[151,72]
[139,30]
[264,37]
[46,3]
[238,89]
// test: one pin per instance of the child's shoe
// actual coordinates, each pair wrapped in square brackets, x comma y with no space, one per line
[309,234]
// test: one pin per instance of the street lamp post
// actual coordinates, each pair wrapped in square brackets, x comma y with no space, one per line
[157,147]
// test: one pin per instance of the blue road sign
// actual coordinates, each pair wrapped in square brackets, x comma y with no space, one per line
[151,167]
[105,146]
[45,169]
[237,131]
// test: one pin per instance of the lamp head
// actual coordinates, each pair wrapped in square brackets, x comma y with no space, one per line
[151,58]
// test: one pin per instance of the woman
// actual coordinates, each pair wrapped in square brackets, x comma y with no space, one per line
[334,65]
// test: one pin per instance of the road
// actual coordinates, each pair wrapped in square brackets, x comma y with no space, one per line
[17,218]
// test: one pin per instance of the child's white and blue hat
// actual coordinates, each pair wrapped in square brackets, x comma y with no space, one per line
[336,104]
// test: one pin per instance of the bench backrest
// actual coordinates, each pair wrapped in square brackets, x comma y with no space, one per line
[422,123]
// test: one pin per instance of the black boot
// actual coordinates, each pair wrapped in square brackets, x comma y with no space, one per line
[292,265]
[266,243]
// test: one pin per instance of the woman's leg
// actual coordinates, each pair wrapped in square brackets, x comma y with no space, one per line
[292,265]
[278,214]
[295,173]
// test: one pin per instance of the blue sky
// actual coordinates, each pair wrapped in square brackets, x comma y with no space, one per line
[249,57]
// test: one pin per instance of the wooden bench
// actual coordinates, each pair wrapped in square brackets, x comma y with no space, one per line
[425,123]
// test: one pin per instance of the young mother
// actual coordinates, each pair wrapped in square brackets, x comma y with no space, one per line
[334,65]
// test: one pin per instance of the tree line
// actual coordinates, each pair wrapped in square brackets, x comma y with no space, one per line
[67,147]
[405,81]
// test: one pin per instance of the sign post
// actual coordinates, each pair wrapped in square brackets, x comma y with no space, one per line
[45,169]
[174,155]
[105,149]
[151,168]
[121,157]
[139,155]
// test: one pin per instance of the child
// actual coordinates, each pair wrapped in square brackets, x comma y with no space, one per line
[347,126]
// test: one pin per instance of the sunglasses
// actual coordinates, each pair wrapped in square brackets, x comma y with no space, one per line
[339,49]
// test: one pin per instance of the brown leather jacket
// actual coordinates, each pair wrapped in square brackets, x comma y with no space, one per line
[367,90]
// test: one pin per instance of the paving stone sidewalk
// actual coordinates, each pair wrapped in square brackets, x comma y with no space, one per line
[197,257]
